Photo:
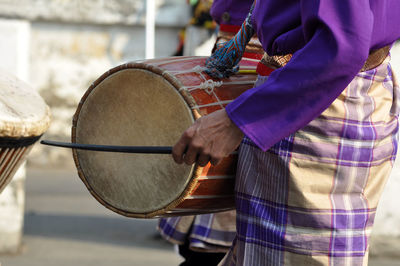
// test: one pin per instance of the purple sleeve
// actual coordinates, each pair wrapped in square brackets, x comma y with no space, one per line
[232,12]
[338,36]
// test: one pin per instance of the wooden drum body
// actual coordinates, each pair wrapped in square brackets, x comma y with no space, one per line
[151,103]
[24,117]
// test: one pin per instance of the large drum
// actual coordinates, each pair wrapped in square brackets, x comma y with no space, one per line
[152,103]
[24,117]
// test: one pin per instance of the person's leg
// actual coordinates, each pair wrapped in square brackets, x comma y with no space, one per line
[311,199]
[211,234]
[193,258]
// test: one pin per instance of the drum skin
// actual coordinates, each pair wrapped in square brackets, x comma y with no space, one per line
[151,103]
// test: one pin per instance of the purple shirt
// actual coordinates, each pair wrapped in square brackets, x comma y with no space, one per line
[330,41]
[232,12]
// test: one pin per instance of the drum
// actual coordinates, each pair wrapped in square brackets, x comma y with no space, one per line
[24,117]
[151,103]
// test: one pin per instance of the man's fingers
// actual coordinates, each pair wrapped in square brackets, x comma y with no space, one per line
[178,151]
[210,138]
[215,160]
[203,160]
[191,155]
[181,148]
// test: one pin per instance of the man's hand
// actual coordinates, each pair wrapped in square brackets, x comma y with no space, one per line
[209,139]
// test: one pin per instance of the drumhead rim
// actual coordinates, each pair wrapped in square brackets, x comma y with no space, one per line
[195,170]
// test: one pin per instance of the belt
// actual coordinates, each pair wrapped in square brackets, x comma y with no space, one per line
[375,58]
[269,63]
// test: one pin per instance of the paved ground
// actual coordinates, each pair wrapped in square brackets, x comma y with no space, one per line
[64,226]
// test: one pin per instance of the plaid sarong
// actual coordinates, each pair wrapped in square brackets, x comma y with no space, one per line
[311,199]
[205,233]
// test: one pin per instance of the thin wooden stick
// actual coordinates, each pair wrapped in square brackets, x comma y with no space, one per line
[111,148]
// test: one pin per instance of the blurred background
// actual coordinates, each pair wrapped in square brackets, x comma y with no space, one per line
[59,47]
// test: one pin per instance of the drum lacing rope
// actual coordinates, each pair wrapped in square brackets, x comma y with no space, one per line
[196,69]
[209,85]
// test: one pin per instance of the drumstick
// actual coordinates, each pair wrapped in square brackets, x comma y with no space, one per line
[111,148]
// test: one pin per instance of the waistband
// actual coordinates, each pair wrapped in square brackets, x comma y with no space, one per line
[229,28]
[268,63]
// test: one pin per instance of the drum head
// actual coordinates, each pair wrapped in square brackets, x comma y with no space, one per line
[23,113]
[132,107]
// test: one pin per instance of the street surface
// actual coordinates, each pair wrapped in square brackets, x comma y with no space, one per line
[65,225]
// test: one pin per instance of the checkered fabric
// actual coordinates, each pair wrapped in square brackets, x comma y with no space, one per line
[206,233]
[311,199]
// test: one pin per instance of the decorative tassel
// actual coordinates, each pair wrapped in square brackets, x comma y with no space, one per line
[224,62]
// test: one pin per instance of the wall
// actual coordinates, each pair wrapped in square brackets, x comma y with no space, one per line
[73,42]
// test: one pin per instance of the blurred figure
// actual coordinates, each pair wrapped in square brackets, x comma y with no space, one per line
[201,18]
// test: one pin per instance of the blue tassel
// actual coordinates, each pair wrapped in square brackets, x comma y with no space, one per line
[224,62]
